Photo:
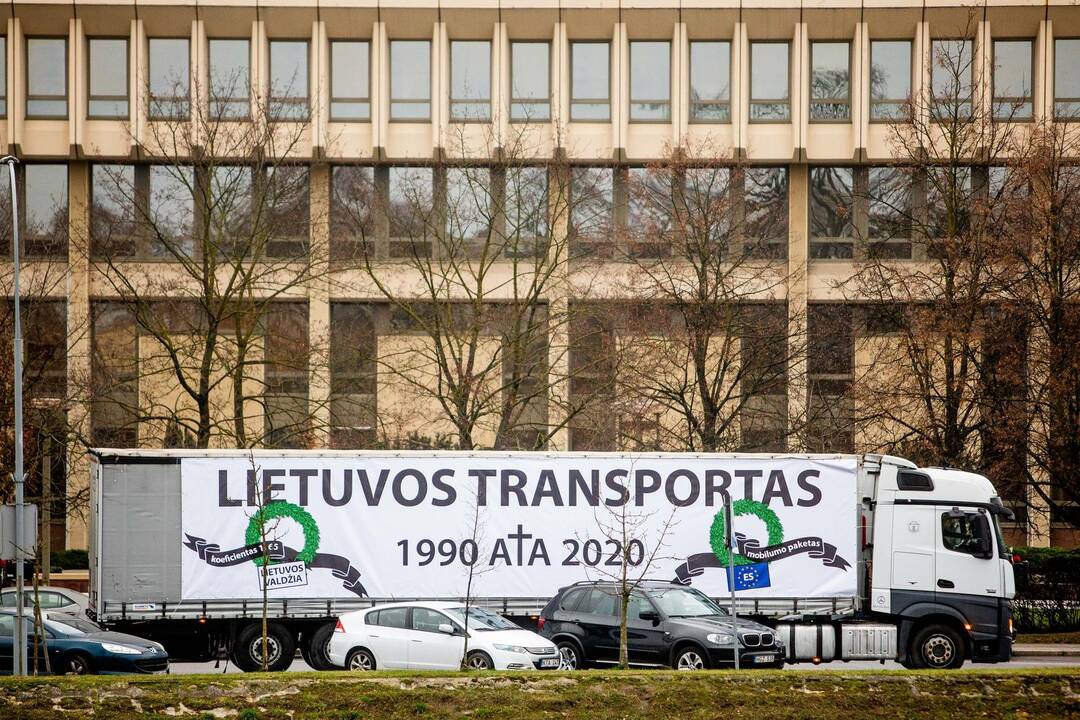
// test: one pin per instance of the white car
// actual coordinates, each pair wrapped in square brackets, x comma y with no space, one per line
[431,636]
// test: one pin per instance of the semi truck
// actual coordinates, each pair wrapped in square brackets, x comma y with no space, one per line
[848,557]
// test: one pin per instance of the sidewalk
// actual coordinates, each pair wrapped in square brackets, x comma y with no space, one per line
[1046,650]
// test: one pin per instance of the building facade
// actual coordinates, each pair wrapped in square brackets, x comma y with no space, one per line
[804,97]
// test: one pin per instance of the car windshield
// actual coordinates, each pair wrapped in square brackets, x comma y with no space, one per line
[482,620]
[684,602]
[72,625]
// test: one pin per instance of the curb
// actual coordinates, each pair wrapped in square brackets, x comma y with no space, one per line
[1047,650]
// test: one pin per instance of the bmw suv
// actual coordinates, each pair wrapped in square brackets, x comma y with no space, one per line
[667,625]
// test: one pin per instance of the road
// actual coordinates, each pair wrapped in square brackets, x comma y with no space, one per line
[1024,662]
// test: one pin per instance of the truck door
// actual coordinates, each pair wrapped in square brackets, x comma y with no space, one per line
[914,549]
[969,574]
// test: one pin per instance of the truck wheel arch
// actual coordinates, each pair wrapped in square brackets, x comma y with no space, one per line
[919,616]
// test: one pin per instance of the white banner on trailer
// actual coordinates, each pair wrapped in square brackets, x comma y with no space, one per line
[401,526]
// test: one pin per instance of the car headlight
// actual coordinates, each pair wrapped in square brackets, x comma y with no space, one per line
[512,649]
[120,649]
[720,639]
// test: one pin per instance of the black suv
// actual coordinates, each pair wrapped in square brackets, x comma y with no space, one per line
[667,624]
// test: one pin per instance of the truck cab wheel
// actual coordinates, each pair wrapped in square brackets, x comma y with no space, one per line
[937,647]
[315,647]
[248,648]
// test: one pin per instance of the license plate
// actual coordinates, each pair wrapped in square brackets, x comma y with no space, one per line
[549,663]
[764,658]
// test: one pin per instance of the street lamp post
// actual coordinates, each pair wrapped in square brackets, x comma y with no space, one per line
[19,639]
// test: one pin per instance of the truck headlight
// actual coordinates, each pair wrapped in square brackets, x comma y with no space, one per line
[512,649]
[720,639]
[120,649]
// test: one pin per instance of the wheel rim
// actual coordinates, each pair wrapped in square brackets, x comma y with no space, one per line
[273,650]
[567,658]
[360,661]
[478,662]
[77,666]
[938,650]
[690,660]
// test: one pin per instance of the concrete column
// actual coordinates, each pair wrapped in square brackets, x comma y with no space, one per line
[78,343]
[860,94]
[140,69]
[559,305]
[77,81]
[740,93]
[797,294]
[1043,72]
[380,88]
[800,81]
[440,86]
[260,66]
[984,67]
[920,78]
[319,87]
[560,83]
[200,80]
[500,83]
[620,89]
[680,84]
[319,306]
[16,83]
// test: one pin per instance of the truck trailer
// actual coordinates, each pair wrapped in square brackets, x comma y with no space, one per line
[849,557]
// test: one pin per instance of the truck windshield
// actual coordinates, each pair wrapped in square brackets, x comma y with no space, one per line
[481,620]
[1003,551]
[684,602]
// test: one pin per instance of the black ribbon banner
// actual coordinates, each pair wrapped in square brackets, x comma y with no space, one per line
[213,555]
[814,546]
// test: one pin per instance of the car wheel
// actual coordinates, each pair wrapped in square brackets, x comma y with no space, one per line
[690,658]
[569,656]
[479,661]
[937,647]
[77,664]
[360,660]
[280,648]
[316,648]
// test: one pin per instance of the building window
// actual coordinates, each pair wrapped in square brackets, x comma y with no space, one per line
[411,197]
[890,79]
[765,200]
[352,212]
[468,207]
[530,78]
[590,85]
[889,210]
[143,211]
[171,212]
[1012,79]
[830,81]
[350,77]
[108,82]
[1066,78]
[288,80]
[44,197]
[710,81]
[410,80]
[286,416]
[650,81]
[288,211]
[470,80]
[170,79]
[230,79]
[46,78]
[526,213]
[949,202]
[353,375]
[113,220]
[592,208]
[832,212]
[952,72]
[770,96]
[3,76]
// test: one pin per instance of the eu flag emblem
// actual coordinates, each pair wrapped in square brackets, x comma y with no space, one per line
[748,577]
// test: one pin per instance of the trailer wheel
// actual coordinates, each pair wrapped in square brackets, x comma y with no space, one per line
[937,647]
[247,651]
[316,645]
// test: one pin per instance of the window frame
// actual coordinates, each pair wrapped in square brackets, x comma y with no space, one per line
[451,102]
[27,39]
[631,100]
[852,222]
[90,97]
[210,98]
[521,101]
[1075,117]
[994,99]
[330,82]
[590,101]
[973,90]
[150,116]
[391,101]
[846,102]
[751,101]
[690,85]
[271,116]
[892,102]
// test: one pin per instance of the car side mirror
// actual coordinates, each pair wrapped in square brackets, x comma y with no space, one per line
[650,615]
[446,628]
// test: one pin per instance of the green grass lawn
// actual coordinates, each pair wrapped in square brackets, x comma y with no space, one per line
[599,695]
[1052,637]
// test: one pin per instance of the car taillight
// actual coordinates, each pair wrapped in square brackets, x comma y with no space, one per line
[1016,558]
[540,623]
[339,627]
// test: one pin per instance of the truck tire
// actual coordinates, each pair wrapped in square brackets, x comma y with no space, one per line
[315,646]
[247,650]
[936,647]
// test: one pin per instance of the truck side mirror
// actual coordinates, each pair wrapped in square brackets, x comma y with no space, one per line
[986,543]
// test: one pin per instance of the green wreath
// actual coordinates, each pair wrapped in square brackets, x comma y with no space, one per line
[744,507]
[285,510]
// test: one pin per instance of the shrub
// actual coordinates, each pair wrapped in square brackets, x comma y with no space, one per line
[1048,590]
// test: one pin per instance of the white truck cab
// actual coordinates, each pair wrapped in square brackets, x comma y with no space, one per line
[940,570]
